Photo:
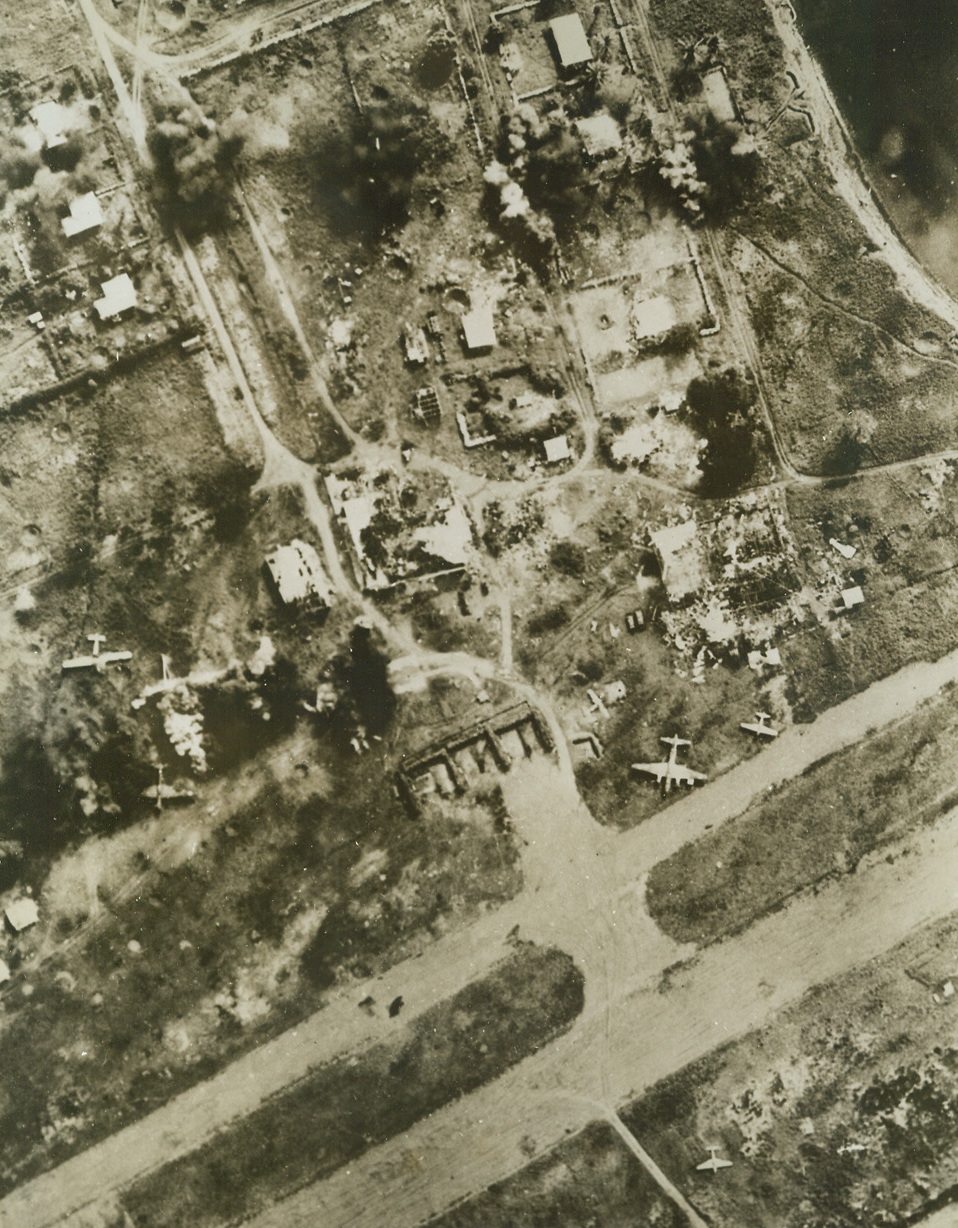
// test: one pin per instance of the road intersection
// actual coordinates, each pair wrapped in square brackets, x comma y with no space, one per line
[583,892]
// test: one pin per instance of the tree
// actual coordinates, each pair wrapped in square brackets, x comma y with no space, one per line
[194,159]
[853,443]
[721,406]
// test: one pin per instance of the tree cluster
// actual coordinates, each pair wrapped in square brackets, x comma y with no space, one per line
[194,159]
[364,178]
[721,405]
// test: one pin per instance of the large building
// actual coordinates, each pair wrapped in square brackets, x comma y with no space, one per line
[479,330]
[85,215]
[298,578]
[571,42]
[119,296]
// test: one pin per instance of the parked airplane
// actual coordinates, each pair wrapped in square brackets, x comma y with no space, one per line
[713,1163]
[96,659]
[760,726]
[670,771]
[166,793]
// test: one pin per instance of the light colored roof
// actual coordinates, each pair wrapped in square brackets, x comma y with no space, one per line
[852,597]
[22,913]
[479,329]
[571,41]
[684,569]
[449,538]
[652,316]
[674,537]
[718,96]
[119,295]
[415,344]
[51,119]
[600,134]
[557,449]
[298,574]
[85,214]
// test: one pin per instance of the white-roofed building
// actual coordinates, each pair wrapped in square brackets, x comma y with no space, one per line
[119,295]
[85,214]
[479,330]
[571,42]
[52,120]
[557,449]
[22,913]
[298,576]
[852,597]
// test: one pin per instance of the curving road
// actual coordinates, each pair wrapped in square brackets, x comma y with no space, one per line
[583,893]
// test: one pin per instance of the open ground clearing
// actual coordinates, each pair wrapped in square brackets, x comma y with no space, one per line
[730,989]
[826,1113]
[167,949]
[334,1115]
[241,921]
[838,333]
[591,1179]
[841,1111]
[819,825]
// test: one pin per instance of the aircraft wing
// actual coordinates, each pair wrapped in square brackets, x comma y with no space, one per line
[763,731]
[685,776]
[80,662]
[713,1164]
[658,770]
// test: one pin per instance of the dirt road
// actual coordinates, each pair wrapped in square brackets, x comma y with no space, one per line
[582,893]
[730,989]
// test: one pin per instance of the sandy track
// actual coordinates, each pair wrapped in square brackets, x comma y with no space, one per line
[582,893]
[850,175]
[730,989]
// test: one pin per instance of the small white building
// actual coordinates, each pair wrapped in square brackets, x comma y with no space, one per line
[557,449]
[85,214]
[571,42]
[600,135]
[852,597]
[52,121]
[479,330]
[119,295]
[298,576]
[22,913]
[415,345]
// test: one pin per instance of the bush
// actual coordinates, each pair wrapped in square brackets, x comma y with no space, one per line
[721,406]
[569,558]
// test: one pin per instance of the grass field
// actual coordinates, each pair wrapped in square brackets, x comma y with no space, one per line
[336,1114]
[838,1114]
[816,826]
[589,1180]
